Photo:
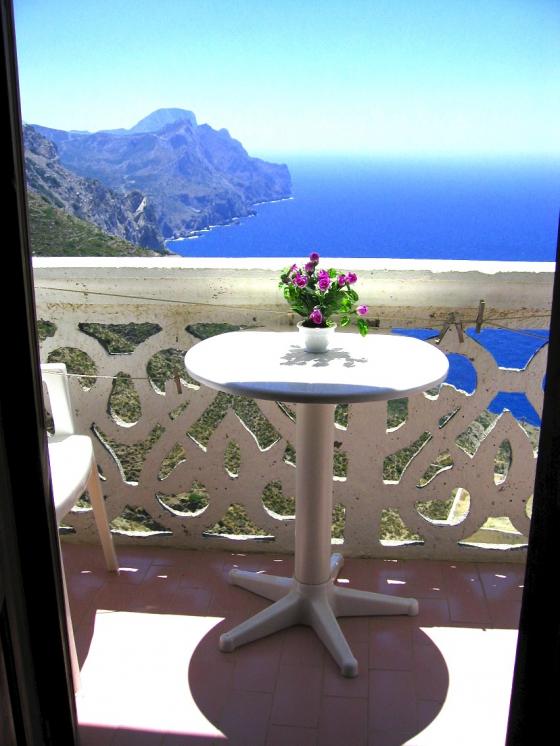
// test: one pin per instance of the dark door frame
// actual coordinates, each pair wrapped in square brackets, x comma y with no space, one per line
[534,698]
[33,634]
[32,620]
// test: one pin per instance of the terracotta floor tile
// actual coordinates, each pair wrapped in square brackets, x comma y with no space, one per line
[197,572]
[164,575]
[343,721]
[284,735]
[427,712]
[504,614]
[93,735]
[465,594]
[84,583]
[392,701]
[302,647]
[127,737]
[83,636]
[190,739]
[466,609]
[181,558]
[211,685]
[152,671]
[256,669]
[85,556]
[335,685]
[390,646]
[131,571]
[502,582]
[244,719]
[269,563]
[431,675]
[424,579]
[230,598]
[297,697]
[360,574]
[393,737]
[432,612]
[119,598]
[191,601]
[354,628]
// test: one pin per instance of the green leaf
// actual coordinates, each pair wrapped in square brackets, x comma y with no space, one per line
[362,327]
[344,321]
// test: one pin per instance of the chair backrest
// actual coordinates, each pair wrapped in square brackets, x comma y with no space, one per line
[55,378]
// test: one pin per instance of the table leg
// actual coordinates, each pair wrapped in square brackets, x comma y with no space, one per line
[311,596]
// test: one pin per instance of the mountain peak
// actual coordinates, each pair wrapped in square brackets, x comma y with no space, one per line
[193,176]
[161,117]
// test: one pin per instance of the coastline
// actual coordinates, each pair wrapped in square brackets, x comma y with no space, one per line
[235,220]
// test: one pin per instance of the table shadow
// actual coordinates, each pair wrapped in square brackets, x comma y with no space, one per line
[298,356]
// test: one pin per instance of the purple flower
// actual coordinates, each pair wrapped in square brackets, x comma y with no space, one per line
[362,310]
[351,278]
[293,268]
[342,280]
[314,257]
[323,279]
[310,267]
[316,316]
[300,280]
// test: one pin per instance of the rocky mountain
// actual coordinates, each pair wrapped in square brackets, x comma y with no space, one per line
[53,232]
[193,176]
[160,118]
[155,121]
[128,216]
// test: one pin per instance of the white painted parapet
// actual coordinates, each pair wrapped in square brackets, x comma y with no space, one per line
[178,292]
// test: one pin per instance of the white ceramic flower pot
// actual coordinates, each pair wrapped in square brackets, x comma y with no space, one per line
[316,339]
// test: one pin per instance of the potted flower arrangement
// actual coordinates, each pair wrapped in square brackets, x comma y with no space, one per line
[319,295]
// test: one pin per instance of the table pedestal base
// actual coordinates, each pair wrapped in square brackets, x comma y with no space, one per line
[315,605]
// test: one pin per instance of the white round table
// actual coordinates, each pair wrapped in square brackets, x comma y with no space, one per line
[273,365]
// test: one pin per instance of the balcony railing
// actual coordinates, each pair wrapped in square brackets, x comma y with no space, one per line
[438,476]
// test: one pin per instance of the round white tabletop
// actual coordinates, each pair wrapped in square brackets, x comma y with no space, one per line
[274,365]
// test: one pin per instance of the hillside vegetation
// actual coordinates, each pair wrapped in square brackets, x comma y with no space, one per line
[55,233]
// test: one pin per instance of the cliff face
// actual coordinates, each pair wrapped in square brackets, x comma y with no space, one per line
[128,216]
[193,175]
[54,232]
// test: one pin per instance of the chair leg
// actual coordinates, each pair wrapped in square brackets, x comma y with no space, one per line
[100,515]
[74,662]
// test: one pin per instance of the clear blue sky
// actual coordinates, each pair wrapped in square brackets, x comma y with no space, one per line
[355,76]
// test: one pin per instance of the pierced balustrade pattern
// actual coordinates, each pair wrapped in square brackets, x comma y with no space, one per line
[218,462]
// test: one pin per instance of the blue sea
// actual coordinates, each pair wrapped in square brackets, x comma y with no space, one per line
[493,209]
[475,209]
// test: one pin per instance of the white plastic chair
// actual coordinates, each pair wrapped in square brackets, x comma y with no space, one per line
[73,471]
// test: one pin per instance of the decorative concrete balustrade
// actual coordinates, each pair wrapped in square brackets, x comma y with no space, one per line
[415,479]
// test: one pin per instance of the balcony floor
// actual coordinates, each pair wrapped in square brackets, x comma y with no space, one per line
[152,672]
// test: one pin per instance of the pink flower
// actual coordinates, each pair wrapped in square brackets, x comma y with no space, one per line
[300,280]
[310,267]
[362,310]
[293,268]
[351,278]
[323,280]
[342,280]
[314,257]
[316,316]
